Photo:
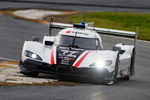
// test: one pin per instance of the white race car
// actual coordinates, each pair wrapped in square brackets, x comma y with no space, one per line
[78,50]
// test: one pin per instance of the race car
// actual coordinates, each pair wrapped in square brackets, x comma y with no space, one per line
[78,50]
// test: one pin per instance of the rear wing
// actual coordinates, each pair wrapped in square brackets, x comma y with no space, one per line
[117,33]
[90,26]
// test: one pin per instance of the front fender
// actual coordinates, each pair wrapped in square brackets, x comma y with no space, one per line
[32,46]
[95,56]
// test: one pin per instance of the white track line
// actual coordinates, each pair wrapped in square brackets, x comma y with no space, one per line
[8,59]
[143,41]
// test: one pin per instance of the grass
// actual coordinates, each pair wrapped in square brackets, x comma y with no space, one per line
[119,21]
[112,20]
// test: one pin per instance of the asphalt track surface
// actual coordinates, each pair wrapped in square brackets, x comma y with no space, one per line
[13,32]
[80,5]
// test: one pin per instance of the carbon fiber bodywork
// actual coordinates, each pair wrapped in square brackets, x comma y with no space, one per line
[29,66]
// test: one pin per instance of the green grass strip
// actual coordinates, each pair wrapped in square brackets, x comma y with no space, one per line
[119,21]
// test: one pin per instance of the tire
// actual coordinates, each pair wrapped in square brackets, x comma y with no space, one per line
[131,68]
[132,62]
[115,72]
[32,74]
[127,77]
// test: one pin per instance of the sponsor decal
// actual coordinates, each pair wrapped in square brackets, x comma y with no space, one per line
[80,33]
[68,32]
[72,58]
[112,66]
[65,60]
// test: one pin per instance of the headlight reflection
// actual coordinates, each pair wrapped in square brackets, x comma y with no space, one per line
[101,64]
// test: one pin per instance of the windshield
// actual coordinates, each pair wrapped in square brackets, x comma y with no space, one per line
[79,42]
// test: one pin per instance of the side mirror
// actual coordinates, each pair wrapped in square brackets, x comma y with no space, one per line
[122,51]
[36,38]
[118,49]
[49,43]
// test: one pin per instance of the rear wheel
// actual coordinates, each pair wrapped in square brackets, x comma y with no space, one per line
[132,62]
[127,77]
[131,68]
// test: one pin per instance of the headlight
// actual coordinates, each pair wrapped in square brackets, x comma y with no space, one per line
[32,55]
[101,64]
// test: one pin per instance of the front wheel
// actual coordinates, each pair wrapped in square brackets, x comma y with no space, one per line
[114,77]
[31,74]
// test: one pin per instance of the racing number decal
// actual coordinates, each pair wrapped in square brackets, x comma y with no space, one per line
[66,56]
[69,53]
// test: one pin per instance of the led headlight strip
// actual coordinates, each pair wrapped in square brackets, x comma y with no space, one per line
[32,55]
[101,64]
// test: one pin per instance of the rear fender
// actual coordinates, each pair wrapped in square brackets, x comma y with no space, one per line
[124,49]
[125,57]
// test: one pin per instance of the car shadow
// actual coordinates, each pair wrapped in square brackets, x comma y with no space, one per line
[75,79]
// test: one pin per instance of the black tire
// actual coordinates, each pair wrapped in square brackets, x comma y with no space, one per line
[32,74]
[132,62]
[127,77]
[115,72]
[131,70]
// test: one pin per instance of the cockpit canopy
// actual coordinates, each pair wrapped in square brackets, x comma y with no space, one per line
[77,42]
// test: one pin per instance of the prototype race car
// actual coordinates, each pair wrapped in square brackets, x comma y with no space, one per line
[78,50]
